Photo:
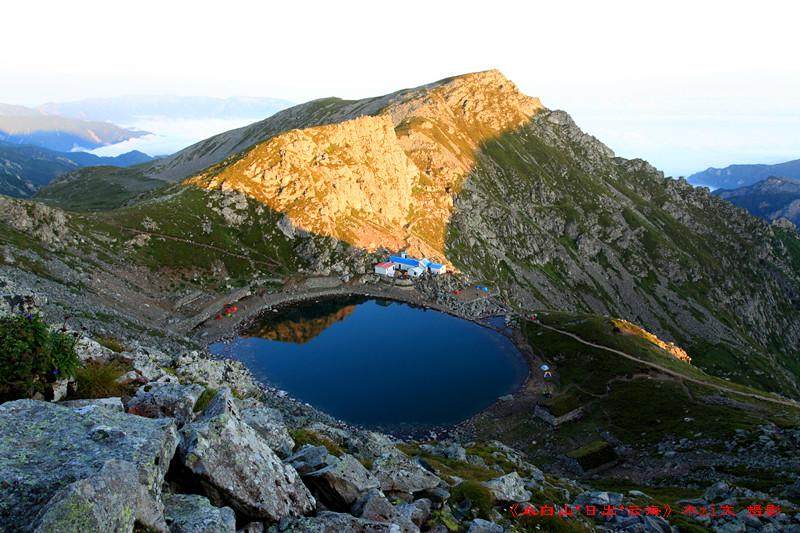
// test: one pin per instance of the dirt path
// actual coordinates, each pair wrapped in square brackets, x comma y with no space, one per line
[268,262]
[673,373]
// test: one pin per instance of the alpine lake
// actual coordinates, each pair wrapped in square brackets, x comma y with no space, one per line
[379,363]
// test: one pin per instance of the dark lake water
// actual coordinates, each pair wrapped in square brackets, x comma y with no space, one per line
[379,363]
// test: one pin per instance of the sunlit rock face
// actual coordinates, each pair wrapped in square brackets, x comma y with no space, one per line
[385,179]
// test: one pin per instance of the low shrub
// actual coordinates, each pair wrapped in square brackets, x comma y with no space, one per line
[32,356]
[112,343]
[99,380]
[593,454]
[301,437]
[204,399]
[479,498]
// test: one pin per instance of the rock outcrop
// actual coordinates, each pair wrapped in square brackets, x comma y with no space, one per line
[106,464]
[398,473]
[236,467]
[191,513]
[508,488]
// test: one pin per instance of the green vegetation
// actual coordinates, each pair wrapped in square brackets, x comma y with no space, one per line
[32,356]
[478,497]
[452,468]
[112,343]
[301,437]
[552,524]
[99,380]
[204,399]
[593,454]
[633,402]
[98,188]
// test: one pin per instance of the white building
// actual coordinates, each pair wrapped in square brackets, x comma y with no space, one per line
[385,269]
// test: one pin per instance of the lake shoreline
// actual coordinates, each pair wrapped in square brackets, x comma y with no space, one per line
[254,306]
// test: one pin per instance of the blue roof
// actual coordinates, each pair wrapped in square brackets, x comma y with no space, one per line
[435,266]
[409,261]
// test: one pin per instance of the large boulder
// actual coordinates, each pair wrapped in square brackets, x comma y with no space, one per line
[310,458]
[236,467]
[114,499]
[215,373]
[373,505]
[115,404]
[91,351]
[367,445]
[340,484]
[417,511]
[166,400]
[398,473]
[451,450]
[329,522]
[46,448]
[191,513]
[269,424]
[508,488]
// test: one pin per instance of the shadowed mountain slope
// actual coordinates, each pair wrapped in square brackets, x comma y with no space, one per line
[770,199]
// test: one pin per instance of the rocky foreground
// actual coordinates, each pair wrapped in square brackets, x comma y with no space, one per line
[201,447]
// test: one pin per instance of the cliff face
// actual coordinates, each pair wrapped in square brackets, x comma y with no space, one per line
[350,180]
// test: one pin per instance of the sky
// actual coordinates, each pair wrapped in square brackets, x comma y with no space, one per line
[685,85]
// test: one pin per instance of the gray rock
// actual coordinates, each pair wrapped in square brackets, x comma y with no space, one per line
[731,527]
[398,473]
[45,447]
[341,483]
[89,350]
[417,512]
[373,505]
[310,458]
[508,488]
[252,527]
[236,467]
[114,499]
[329,522]
[223,403]
[599,498]
[191,513]
[437,496]
[484,526]
[166,400]
[656,524]
[59,389]
[717,491]
[452,450]
[748,519]
[269,424]
[114,404]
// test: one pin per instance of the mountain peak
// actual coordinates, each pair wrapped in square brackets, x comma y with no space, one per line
[486,100]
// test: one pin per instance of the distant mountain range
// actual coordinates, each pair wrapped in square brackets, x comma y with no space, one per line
[770,199]
[24,169]
[128,109]
[734,176]
[24,125]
